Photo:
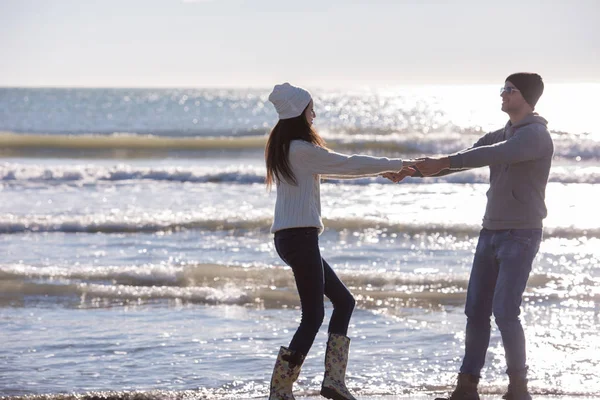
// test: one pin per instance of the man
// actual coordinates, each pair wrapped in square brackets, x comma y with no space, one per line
[519,157]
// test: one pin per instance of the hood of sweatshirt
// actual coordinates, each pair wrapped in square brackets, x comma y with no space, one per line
[533,118]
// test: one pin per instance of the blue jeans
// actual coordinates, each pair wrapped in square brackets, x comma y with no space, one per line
[501,267]
[299,248]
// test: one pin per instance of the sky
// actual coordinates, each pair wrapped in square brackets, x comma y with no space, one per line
[254,43]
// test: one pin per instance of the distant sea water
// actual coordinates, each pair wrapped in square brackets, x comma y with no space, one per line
[136,253]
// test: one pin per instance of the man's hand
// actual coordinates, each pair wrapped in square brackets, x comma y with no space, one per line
[431,166]
[400,175]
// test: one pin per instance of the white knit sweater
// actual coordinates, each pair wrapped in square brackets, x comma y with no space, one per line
[299,206]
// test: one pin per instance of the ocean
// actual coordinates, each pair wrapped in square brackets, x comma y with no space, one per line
[136,253]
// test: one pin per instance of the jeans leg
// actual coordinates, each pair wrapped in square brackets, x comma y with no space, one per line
[479,304]
[300,250]
[517,249]
[342,300]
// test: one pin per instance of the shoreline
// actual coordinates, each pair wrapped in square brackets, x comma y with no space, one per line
[202,394]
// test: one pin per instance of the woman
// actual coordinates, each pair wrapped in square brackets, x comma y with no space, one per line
[296,159]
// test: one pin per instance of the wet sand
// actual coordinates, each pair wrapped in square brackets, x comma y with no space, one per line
[198,394]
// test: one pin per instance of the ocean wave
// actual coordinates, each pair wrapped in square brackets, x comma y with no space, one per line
[219,275]
[268,286]
[215,284]
[126,141]
[109,224]
[10,224]
[388,142]
[90,174]
[11,173]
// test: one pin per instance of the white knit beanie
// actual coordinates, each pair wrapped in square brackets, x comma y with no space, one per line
[289,101]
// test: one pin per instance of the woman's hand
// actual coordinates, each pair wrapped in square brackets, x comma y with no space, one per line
[400,175]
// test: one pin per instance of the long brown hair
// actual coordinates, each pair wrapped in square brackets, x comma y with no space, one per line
[278,147]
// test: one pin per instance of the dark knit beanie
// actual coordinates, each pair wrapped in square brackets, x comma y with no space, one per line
[531,86]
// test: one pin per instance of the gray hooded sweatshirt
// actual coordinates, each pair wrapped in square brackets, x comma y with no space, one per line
[519,157]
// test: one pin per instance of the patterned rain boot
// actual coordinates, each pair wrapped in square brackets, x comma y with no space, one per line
[466,388]
[336,360]
[285,373]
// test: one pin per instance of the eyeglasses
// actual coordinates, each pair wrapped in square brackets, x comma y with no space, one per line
[508,89]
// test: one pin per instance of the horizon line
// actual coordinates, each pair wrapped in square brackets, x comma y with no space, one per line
[269,86]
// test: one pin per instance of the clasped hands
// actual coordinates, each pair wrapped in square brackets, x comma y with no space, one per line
[427,166]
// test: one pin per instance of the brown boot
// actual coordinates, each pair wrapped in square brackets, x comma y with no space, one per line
[285,373]
[517,389]
[336,361]
[466,388]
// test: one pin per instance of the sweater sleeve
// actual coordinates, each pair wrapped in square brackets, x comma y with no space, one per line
[443,172]
[333,176]
[320,161]
[526,144]
[485,140]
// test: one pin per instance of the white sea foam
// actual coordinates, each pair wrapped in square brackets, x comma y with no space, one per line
[272,286]
[14,224]
[11,173]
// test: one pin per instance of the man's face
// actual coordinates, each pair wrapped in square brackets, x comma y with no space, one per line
[512,98]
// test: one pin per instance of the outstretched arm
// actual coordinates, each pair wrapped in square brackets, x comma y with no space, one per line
[524,145]
[329,163]
[334,176]
[529,143]
[407,170]
[441,166]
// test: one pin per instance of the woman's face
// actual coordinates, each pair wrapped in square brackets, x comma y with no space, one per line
[309,113]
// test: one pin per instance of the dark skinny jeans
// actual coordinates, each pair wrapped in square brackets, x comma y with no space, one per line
[299,248]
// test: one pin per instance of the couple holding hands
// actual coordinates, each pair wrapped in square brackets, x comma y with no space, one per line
[519,156]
